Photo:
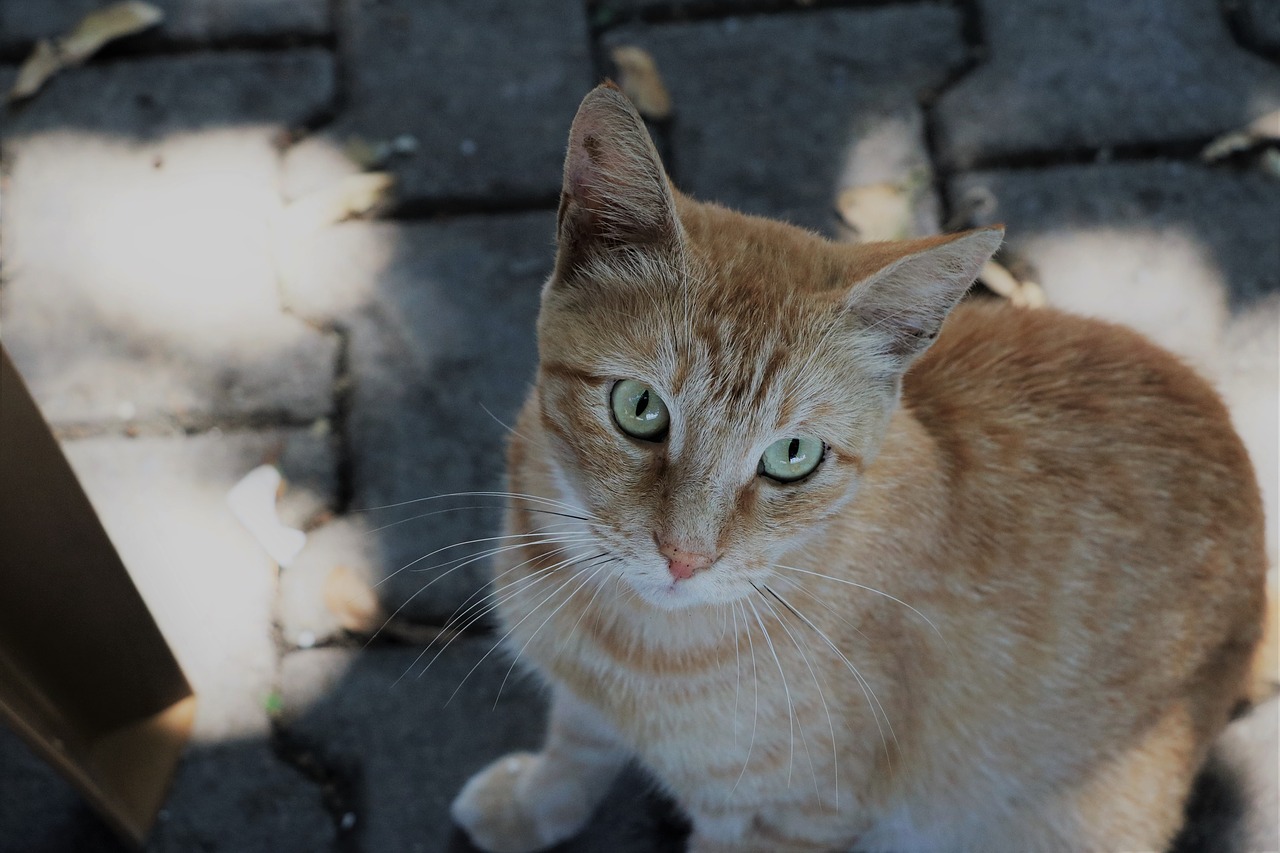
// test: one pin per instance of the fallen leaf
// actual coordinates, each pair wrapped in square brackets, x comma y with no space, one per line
[42,64]
[1271,162]
[1262,129]
[106,25]
[94,30]
[366,154]
[640,81]
[352,601]
[253,503]
[876,211]
[348,197]
[1021,292]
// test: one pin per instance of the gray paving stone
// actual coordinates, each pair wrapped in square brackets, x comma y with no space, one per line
[238,797]
[1260,22]
[441,323]
[22,22]
[607,12]
[412,748]
[1097,74]
[1250,746]
[209,585]
[769,110]
[306,617]
[226,798]
[42,813]
[137,243]
[1130,236]
[485,89]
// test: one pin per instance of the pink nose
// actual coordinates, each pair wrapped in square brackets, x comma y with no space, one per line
[684,564]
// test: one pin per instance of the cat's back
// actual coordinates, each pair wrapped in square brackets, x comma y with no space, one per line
[1042,393]
[1095,478]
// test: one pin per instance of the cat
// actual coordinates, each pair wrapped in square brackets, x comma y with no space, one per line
[842,576]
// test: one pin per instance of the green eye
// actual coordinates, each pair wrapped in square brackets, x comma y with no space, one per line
[791,459]
[639,411]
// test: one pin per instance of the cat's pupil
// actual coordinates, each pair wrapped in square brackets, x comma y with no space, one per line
[642,404]
[793,450]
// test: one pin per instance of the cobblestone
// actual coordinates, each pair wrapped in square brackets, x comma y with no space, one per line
[22,22]
[1096,74]
[475,128]
[1260,20]
[768,129]
[368,712]
[140,281]
[442,352]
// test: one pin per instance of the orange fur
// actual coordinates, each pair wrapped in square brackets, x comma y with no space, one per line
[1010,610]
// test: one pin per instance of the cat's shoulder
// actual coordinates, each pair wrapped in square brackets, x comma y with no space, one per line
[992,359]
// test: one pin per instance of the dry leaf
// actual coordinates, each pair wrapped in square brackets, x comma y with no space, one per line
[351,196]
[106,25]
[253,503]
[94,30]
[1023,293]
[640,81]
[352,601]
[1262,129]
[876,211]
[1271,162]
[42,64]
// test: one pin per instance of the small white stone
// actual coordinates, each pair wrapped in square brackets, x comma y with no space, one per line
[306,639]
[348,820]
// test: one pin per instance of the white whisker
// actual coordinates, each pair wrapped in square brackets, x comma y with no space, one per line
[791,716]
[804,741]
[868,589]
[755,681]
[872,702]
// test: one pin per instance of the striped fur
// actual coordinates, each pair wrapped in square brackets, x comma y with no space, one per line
[1009,611]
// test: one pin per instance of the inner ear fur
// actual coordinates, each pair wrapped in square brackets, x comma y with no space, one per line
[903,303]
[616,195]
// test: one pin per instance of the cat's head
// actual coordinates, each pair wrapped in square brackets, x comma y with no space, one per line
[712,385]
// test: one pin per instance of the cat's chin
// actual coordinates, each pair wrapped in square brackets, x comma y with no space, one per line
[676,595]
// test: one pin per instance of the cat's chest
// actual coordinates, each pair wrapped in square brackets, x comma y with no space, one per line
[699,718]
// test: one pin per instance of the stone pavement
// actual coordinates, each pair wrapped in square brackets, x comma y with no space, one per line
[178,332]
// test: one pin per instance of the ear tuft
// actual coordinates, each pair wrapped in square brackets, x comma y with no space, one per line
[903,305]
[615,191]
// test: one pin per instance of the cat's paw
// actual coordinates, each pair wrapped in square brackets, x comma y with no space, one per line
[516,806]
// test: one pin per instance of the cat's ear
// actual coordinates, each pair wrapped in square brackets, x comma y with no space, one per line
[615,194]
[901,306]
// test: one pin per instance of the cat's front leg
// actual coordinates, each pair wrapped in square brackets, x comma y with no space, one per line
[527,801]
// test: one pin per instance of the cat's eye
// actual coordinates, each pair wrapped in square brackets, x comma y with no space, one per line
[791,459]
[639,411]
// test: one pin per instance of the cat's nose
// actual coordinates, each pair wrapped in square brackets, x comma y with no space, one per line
[684,564]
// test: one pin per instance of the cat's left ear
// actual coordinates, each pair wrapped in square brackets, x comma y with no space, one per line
[901,306]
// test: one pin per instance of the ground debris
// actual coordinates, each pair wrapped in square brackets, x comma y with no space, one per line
[95,30]
[1022,292]
[1260,131]
[640,81]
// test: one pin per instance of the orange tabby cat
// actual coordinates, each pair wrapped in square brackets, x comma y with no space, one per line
[839,592]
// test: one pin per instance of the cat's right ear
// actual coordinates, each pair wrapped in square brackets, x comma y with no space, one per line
[900,308]
[616,196]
